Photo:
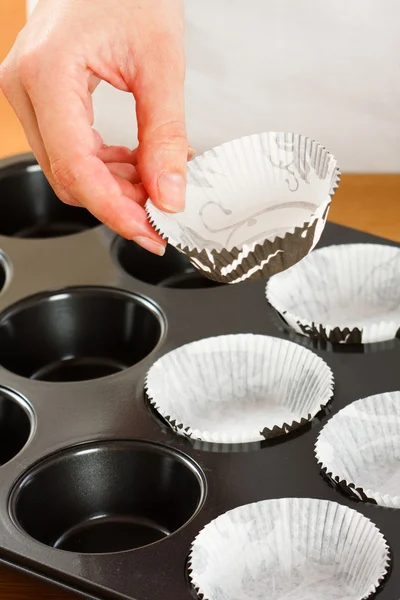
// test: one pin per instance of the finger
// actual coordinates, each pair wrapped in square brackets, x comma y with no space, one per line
[135,192]
[72,150]
[124,171]
[117,154]
[191,155]
[22,105]
[162,154]
[119,162]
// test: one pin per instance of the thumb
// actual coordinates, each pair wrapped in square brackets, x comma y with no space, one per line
[163,147]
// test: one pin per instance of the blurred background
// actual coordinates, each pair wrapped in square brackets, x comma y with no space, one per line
[12,18]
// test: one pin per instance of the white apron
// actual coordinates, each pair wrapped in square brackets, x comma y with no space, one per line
[330,70]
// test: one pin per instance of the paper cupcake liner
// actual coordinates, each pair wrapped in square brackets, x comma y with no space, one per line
[345,294]
[320,344]
[238,388]
[254,206]
[359,449]
[289,549]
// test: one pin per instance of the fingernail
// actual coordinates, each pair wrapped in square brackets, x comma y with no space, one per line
[171,187]
[149,245]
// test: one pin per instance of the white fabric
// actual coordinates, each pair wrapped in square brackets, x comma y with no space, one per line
[329,70]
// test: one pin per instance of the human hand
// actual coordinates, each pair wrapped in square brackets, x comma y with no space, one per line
[59,58]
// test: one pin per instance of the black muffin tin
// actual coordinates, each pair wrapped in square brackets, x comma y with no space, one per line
[97,494]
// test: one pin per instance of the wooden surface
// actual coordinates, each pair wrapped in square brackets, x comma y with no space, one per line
[367,202]
[370,203]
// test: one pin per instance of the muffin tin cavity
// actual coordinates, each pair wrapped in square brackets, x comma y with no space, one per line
[108,497]
[30,209]
[78,334]
[173,270]
[15,424]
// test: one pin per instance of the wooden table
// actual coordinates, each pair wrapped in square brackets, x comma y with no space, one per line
[367,202]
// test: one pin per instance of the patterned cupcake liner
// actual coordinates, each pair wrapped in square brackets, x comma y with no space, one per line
[342,294]
[359,449]
[254,207]
[237,389]
[289,548]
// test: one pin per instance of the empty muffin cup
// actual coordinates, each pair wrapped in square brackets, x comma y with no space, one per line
[254,206]
[78,333]
[238,388]
[30,209]
[16,424]
[342,294]
[108,497]
[289,548]
[173,270]
[359,449]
